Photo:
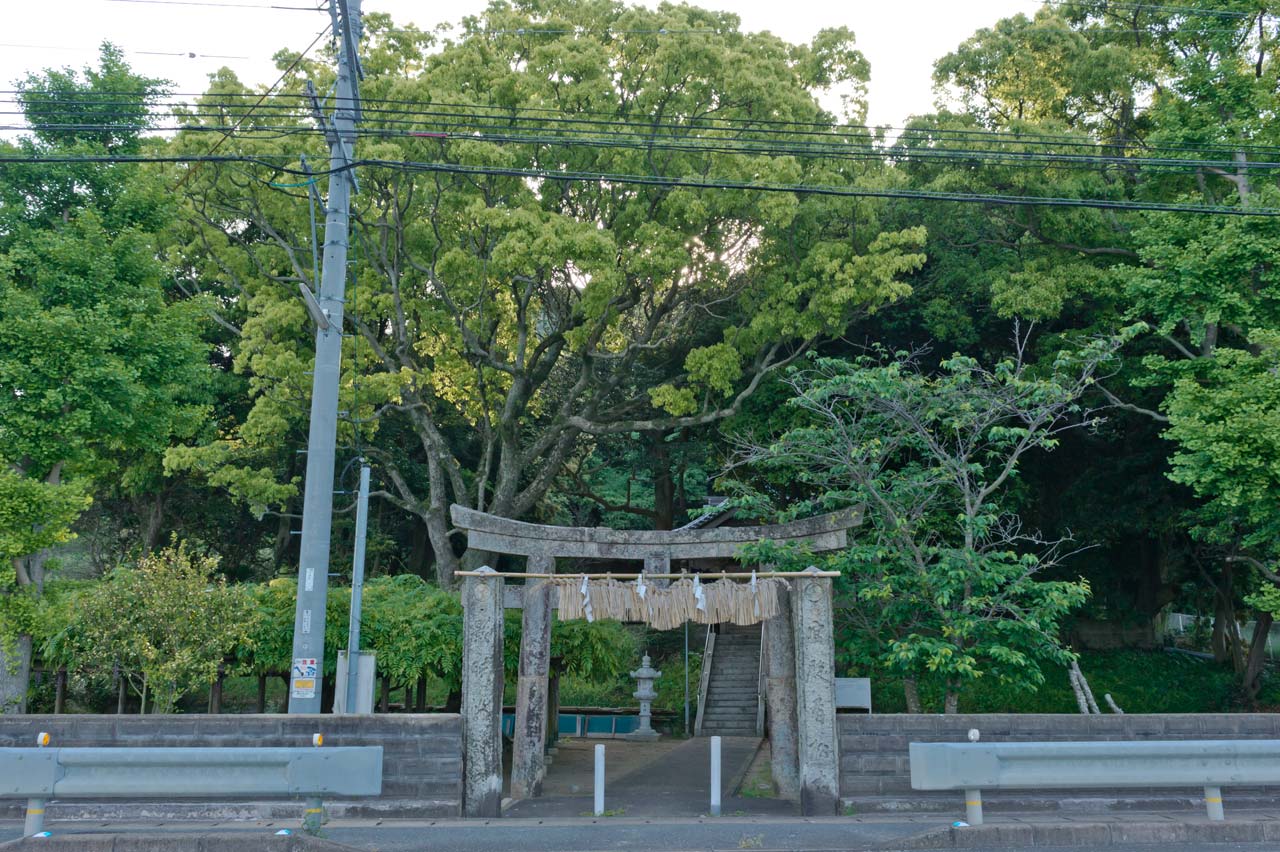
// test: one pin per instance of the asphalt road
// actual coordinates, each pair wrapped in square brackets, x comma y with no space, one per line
[582,835]
[609,835]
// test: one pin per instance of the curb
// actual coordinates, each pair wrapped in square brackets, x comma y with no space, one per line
[280,809]
[1089,834]
[175,843]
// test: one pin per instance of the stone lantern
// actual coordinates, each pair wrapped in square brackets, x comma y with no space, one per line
[645,676]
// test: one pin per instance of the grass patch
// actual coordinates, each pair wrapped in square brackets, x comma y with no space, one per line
[759,781]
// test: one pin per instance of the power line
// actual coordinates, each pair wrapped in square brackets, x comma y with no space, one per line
[1108,5]
[902,146]
[920,195]
[724,145]
[283,75]
[679,183]
[611,120]
[188,54]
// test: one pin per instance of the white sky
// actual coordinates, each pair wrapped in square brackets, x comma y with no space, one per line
[902,39]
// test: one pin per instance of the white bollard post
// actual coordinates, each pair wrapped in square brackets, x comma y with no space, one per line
[1213,803]
[715,776]
[599,786]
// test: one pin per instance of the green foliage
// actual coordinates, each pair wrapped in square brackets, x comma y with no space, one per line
[594,650]
[941,580]
[504,321]
[414,629]
[168,623]
[1226,424]
[98,370]
[34,515]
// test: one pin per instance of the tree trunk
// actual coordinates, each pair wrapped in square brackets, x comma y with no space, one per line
[664,491]
[1078,690]
[60,691]
[420,705]
[419,547]
[153,522]
[951,704]
[912,692]
[1224,641]
[384,702]
[1251,681]
[284,538]
[215,691]
[15,675]
[261,706]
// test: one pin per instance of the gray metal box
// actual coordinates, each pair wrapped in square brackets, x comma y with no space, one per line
[365,670]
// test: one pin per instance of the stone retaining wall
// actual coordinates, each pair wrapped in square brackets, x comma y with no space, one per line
[421,754]
[873,748]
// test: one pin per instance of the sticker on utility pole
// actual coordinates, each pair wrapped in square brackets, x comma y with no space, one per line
[304,678]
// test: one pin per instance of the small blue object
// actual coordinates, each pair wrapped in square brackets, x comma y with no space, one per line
[286,832]
[43,834]
[959,824]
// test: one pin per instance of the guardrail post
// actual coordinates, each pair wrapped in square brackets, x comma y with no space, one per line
[35,817]
[715,776]
[599,781]
[34,823]
[1213,803]
[973,807]
[313,816]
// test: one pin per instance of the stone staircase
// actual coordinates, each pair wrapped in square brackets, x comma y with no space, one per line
[733,688]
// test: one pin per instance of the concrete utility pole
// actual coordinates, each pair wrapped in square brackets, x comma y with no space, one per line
[326,308]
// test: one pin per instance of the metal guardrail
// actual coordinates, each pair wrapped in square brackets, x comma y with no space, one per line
[704,680]
[40,774]
[1211,764]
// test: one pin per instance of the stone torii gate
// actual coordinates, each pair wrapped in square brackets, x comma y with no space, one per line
[798,645]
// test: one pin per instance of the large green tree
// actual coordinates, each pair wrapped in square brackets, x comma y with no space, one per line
[501,317]
[941,582]
[98,369]
[1126,103]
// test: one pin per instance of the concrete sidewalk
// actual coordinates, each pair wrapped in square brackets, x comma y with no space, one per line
[667,778]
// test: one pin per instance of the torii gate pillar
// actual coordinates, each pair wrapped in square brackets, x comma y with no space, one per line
[482,694]
[529,740]
[819,753]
